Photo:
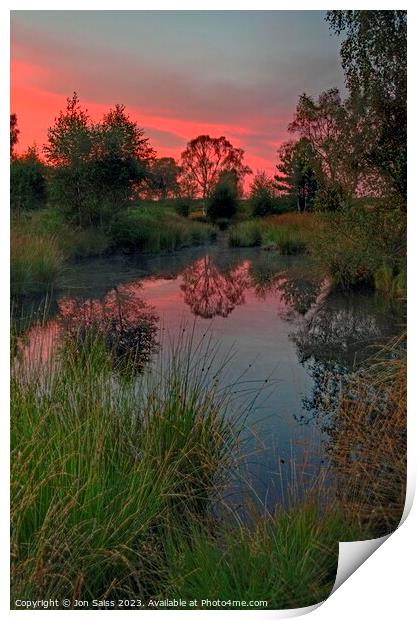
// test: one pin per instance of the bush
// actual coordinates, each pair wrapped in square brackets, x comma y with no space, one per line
[183,208]
[27,183]
[329,198]
[362,246]
[156,229]
[223,201]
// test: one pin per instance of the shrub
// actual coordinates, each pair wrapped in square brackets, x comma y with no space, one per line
[27,183]
[223,201]
[263,202]
[183,208]
[155,229]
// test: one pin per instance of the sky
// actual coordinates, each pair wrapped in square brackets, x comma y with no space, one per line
[179,73]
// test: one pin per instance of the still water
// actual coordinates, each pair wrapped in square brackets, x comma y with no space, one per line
[290,339]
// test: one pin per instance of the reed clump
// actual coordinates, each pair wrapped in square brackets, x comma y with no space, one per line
[36,263]
[102,468]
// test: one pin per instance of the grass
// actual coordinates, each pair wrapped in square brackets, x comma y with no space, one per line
[101,469]
[35,263]
[369,441]
[363,246]
[113,482]
[157,229]
[42,241]
[287,560]
[287,233]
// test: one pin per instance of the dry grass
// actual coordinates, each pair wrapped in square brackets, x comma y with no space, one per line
[369,441]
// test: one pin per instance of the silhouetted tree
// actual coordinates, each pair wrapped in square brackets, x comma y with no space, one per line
[298,173]
[95,167]
[205,158]
[14,133]
[223,199]
[27,181]
[163,178]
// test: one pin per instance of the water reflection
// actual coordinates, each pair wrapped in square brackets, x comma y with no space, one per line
[211,293]
[127,325]
[334,340]
[278,314]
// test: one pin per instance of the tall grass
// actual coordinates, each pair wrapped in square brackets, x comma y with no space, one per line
[101,468]
[287,560]
[35,263]
[114,480]
[287,233]
[363,246]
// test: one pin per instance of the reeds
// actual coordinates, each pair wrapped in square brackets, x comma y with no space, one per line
[101,468]
[35,263]
[288,233]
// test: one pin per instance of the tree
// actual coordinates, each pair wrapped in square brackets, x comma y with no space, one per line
[223,199]
[163,178]
[204,160]
[27,181]
[329,127]
[14,133]
[262,195]
[374,58]
[95,168]
[298,173]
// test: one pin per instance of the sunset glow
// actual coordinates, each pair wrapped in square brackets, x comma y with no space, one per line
[180,74]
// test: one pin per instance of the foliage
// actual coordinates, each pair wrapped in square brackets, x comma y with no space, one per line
[102,470]
[183,207]
[222,203]
[288,559]
[348,248]
[262,195]
[163,178]
[27,182]
[298,173]
[371,467]
[287,233]
[374,58]
[330,130]
[96,167]
[156,229]
[204,160]
[14,134]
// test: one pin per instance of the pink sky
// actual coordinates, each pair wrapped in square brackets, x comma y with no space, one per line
[180,74]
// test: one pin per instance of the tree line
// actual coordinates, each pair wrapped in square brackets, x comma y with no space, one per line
[341,148]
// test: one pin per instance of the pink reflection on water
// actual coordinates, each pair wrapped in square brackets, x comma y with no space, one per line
[211,293]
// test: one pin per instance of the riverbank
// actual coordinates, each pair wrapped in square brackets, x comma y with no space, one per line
[361,246]
[43,242]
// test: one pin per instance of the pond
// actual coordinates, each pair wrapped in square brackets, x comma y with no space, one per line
[289,336]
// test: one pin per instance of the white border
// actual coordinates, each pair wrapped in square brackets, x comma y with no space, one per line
[384,586]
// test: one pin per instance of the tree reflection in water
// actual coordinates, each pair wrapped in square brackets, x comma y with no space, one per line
[126,323]
[210,292]
[334,341]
